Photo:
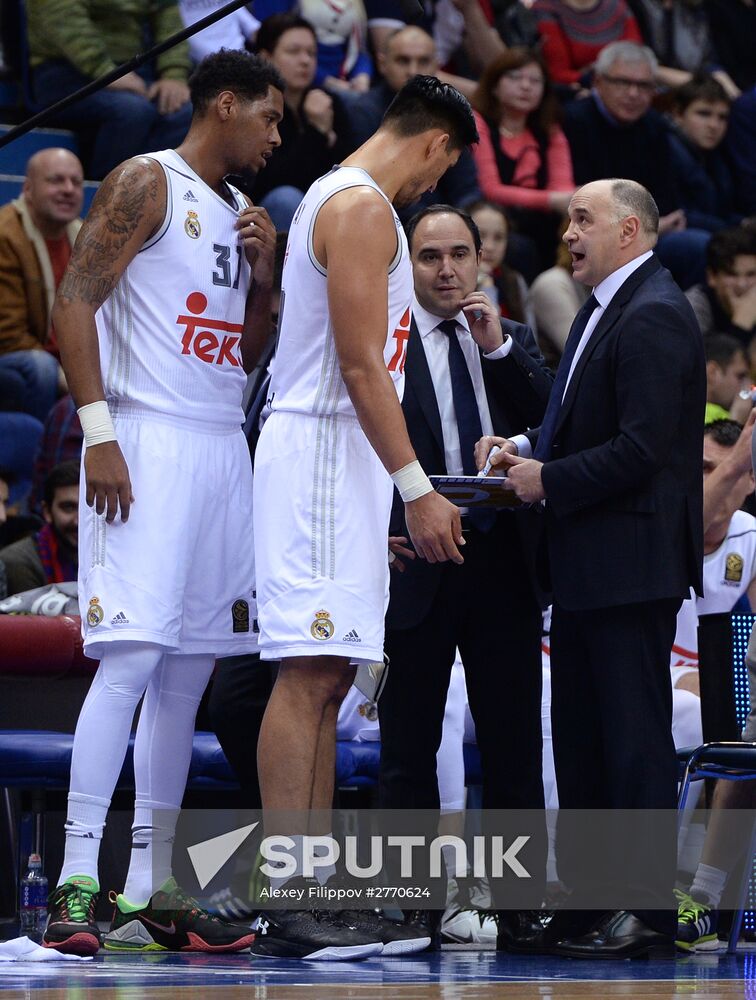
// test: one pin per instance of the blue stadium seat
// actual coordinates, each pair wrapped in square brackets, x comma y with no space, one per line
[13,157]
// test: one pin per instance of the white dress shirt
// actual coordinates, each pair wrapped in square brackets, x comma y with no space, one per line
[604,293]
[436,346]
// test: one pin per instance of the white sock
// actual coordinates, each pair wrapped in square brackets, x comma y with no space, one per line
[708,885]
[153,831]
[85,822]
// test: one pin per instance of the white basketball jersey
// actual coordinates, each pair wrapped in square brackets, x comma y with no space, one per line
[170,331]
[306,375]
[727,575]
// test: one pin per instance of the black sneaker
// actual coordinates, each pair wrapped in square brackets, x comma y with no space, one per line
[396,938]
[71,926]
[172,921]
[315,935]
[428,923]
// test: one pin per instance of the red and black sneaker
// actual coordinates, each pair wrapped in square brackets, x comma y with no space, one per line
[71,926]
[172,921]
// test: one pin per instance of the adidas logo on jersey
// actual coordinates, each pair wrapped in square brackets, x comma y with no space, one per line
[119,619]
[351,637]
[189,196]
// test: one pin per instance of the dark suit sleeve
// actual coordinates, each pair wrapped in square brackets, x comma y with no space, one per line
[523,376]
[655,360]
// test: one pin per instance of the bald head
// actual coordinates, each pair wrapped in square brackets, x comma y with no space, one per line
[53,190]
[408,52]
[612,222]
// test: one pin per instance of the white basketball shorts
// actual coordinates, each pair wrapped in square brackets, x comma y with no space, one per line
[322,507]
[180,571]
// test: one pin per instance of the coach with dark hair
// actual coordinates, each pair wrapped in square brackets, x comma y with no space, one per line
[467,371]
[617,463]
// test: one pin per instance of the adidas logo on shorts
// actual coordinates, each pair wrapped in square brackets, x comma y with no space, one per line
[189,196]
[119,619]
[351,637]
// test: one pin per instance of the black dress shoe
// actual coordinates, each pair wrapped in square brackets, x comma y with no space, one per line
[523,932]
[617,935]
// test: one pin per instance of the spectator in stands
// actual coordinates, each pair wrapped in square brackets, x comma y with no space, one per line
[61,441]
[407,52]
[20,435]
[615,133]
[556,298]
[573,33]
[5,480]
[741,147]
[702,173]
[728,380]
[726,302]
[504,286]
[313,124]
[343,63]
[37,231]
[234,31]
[49,556]
[679,34]
[72,42]
[733,29]
[523,159]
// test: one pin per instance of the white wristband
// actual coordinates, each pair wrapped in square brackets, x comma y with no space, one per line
[96,423]
[411,482]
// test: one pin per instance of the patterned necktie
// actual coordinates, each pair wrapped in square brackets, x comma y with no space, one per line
[467,414]
[542,451]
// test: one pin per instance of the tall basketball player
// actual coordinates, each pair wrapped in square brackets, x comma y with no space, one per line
[328,453]
[165,303]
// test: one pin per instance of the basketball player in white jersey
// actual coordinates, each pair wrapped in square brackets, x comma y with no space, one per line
[334,441]
[165,303]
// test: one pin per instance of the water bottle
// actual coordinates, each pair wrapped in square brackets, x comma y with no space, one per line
[33,902]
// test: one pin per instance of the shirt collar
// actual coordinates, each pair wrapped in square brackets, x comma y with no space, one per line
[426,322]
[608,288]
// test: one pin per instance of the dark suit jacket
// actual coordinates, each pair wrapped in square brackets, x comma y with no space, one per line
[517,389]
[639,151]
[624,485]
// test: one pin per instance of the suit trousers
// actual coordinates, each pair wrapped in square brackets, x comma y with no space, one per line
[613,748]
[487,608]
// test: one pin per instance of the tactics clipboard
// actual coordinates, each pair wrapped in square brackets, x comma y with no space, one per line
[474,491]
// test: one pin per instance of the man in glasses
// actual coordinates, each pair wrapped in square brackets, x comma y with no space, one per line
[616,133]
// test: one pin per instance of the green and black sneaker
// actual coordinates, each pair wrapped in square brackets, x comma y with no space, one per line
[71,926]
[696,924]
[172,921]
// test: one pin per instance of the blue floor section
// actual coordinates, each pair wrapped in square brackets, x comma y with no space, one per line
[461,967]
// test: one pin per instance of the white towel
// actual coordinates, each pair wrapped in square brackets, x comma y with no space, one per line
[23,949]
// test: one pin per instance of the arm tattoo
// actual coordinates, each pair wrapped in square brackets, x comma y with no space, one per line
[123,200]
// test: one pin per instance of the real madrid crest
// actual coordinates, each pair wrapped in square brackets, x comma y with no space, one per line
[734,568]
[192,226]
[95,613]
[322,628]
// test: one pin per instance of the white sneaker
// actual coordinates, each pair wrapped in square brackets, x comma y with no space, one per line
[468,927]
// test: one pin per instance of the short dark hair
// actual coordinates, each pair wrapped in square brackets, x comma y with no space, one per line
[425,103]
[442,210]
[272,28]
[728,244]
[724,432]
[63,474]
[721,348]
[248,76]
[699,88]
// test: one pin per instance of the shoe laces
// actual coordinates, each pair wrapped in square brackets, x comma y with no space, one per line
[76,902]
[689,908]
[182,903]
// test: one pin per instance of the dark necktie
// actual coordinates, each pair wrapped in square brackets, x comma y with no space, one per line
[467,414]
[542,451]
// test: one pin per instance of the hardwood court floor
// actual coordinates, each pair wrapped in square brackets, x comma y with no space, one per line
[455,975]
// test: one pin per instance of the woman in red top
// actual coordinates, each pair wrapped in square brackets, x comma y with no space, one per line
[573,32]
[523,158]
